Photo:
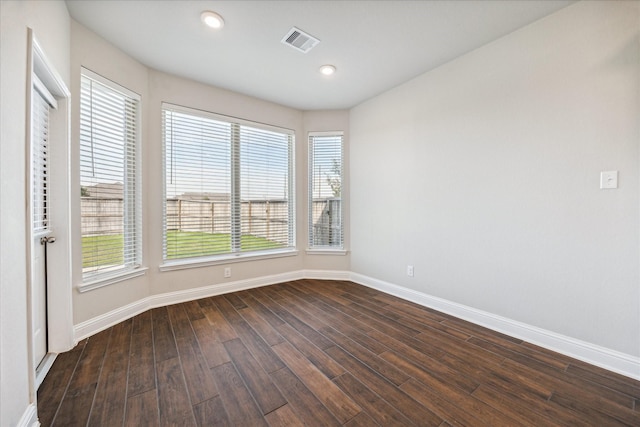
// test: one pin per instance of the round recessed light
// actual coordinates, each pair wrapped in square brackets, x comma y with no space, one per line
[327,70]
[212,19]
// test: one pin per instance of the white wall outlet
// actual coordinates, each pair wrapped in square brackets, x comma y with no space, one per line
[608,180]
[410,270]
[227,272]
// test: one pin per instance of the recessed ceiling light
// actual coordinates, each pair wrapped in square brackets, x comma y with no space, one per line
[327,70]
[212,19]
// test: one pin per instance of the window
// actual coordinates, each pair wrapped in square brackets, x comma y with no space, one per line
[42,102]
[228,186]
[325,191]
[109,177]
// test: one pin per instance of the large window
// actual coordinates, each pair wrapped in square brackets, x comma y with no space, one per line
[325,191]
[110,196]
[228,185]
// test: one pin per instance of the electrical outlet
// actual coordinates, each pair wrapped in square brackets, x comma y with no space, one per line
[410,270]
[227,272]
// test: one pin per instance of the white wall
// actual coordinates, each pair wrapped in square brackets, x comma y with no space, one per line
[325,121]
[50,23]
[484,175]
[91,51]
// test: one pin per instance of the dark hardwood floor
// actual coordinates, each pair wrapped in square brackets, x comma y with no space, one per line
[322,353]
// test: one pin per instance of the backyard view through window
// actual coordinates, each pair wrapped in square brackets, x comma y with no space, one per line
[109,188]
[325,190]
[228,185]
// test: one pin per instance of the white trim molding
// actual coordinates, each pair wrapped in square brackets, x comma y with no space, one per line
[44,367]
[29,417]
[104,321]
[317,251]
[326,274]
[182,264]
[107,280]
[611,360]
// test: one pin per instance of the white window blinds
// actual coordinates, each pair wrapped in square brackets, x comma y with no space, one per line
[228,185]
[325,190]
[41,101]
[109,177]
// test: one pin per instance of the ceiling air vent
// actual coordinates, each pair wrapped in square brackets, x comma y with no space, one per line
[300,40]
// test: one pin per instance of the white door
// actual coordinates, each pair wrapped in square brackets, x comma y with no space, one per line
[39,300]
[41,103]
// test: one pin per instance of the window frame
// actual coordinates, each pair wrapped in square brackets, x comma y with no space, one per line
[235,194]
[336,249]
[132,265]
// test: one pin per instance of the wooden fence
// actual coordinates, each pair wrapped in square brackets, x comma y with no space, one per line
[261,218]
[101,216]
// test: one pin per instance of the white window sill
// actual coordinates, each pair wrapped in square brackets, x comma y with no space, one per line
[110,279]
[225,259]
[326,251]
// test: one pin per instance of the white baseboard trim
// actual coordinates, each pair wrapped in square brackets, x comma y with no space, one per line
[225,288]
[29,417]
[44,367]
[612,360]
[104,321]
[99,323]
[326,274]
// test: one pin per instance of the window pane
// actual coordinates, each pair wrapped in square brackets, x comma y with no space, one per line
[40,162]
[197,186]
[325,191]
[227,186]
[264,177]
[110,201]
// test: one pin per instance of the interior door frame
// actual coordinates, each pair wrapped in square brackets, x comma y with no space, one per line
[59,297]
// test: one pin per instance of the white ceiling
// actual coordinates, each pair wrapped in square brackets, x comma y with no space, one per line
[375,45]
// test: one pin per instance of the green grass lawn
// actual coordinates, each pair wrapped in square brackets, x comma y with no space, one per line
[102,250]
[180,244]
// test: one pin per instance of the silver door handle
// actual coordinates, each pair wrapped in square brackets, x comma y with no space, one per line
[49,239]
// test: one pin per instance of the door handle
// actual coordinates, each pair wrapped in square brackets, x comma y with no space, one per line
[49,239]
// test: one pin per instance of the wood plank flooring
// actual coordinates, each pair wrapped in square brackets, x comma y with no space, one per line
[322,353]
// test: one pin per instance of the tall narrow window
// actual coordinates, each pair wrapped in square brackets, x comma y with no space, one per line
[42,102]
[325,191]
[228,185]
[109,177]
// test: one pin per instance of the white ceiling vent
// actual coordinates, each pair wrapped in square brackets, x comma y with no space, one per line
[300,40]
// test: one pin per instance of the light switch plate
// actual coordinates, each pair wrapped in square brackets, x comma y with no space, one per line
[608,180]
